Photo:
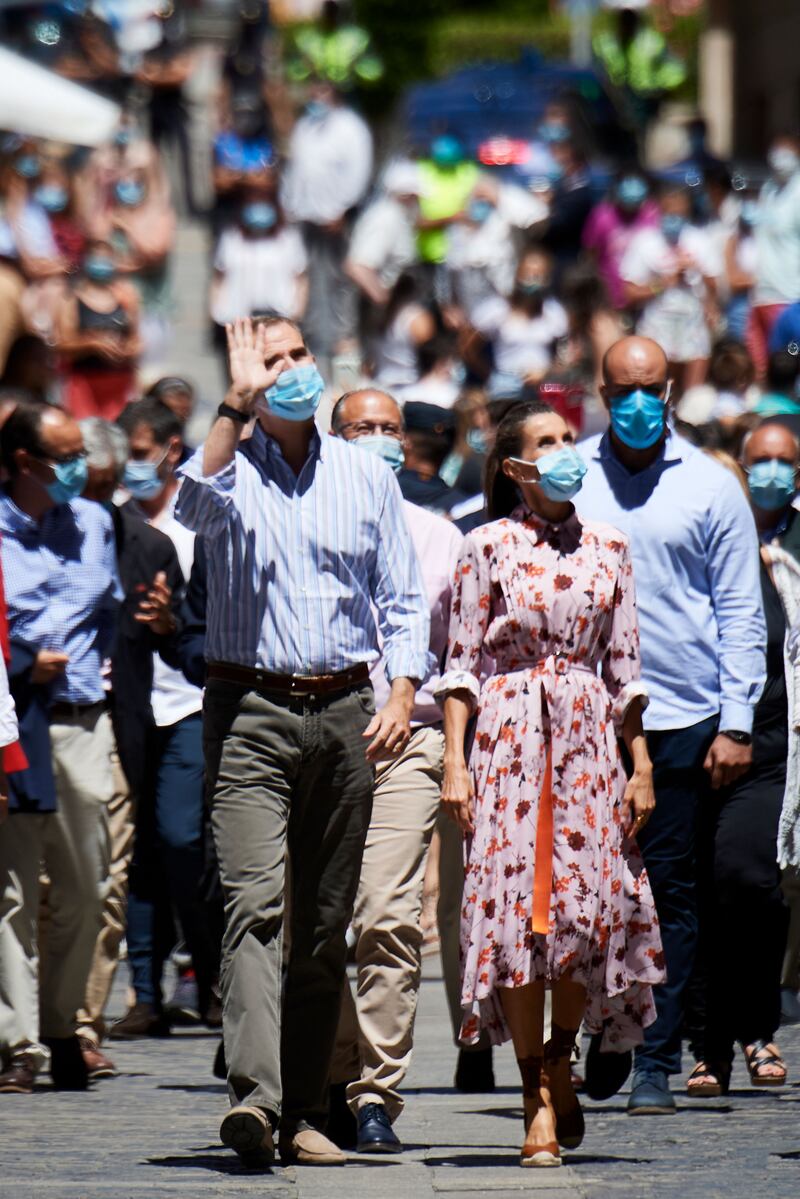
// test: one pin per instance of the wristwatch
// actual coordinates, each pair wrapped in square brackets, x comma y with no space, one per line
[736,735]
[243,418]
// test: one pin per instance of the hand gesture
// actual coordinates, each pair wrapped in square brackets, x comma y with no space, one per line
[48,666]
[246,351]
[155,609]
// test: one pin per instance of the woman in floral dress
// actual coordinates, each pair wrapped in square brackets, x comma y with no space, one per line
[544,643]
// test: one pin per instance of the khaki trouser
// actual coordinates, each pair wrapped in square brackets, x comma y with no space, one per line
[106,950]
[40,999]
[285,775]
[791,962]
[375,1036]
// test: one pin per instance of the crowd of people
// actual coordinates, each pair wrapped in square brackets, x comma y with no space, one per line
[479,599]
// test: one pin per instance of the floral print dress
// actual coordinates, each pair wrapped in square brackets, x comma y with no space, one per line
[544,637]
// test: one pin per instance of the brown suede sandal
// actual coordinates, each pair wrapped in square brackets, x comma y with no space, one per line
[570,1124]
[533,1077]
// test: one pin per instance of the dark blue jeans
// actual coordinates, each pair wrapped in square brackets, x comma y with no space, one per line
[668,845]
[168,865]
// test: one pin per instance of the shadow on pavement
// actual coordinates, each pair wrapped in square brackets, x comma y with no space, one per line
[205,1088]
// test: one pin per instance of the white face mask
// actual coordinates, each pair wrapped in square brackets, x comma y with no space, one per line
[783,161]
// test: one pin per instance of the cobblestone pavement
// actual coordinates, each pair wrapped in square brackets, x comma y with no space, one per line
[152,1132]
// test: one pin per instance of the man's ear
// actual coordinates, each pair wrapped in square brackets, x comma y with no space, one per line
[603,390]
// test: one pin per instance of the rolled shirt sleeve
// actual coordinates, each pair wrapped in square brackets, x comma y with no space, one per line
[735,585]
[205,502]
[399,595]
[470,611]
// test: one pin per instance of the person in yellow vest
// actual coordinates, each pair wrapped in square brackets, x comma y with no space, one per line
[447,179]
[637,60]
[334,49]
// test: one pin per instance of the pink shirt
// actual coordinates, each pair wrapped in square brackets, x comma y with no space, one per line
[608,236]
[438,544]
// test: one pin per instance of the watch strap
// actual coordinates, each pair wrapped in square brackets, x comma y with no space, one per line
[741,738]
[243,418]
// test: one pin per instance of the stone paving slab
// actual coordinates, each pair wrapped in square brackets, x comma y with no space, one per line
[152,1132]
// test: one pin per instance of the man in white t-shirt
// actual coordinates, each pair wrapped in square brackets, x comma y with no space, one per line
[168,861]
[327,174]
[777,234]
[670,274]
[260,266]
[384,240]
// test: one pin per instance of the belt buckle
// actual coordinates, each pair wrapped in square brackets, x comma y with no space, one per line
[294,689]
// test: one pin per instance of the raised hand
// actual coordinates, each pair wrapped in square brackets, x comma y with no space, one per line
[249,375]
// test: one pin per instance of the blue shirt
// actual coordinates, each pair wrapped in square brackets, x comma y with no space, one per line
[696,570]
[786,329]
[62,589]
[295,561]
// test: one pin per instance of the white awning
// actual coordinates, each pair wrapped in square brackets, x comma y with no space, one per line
[38,103]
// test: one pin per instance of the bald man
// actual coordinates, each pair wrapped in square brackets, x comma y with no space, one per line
[695,557]
[376,1035]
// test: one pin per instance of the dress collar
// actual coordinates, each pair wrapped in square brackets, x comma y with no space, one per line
[556,533]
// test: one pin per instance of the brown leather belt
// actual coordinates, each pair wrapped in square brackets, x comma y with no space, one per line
[309,685]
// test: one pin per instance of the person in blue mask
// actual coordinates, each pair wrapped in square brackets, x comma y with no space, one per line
[695,562]
[63,594]
[739,872]
[544,654]
[376,1030]
[97,333]
[308,556]
[168,861]
[670,275]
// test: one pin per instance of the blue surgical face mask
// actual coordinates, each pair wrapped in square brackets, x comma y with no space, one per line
[672,226]
[631,192]
[317,109]
[27,166]
[52,197]
[388,448]
[99,268]
[259,216]
[70,480]
[531,287]
[446,150]
[783,161]
[142,479]
[479,211]
[638,418]
[772,484]
[560,473]
[750,213]
[129,192]
[553,132]
[122,138]
[477,441]
[296,394]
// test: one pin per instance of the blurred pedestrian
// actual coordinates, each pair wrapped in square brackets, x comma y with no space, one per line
[383,243]
[328,169]
[741,266]
[430,436]
[693,547]
[97,335]
[406,324]
[289,714]
[612,224]
[547,804]
[448,179]
[778,246]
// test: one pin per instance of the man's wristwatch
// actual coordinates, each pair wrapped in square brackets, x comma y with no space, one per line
[243,418]
[736,735]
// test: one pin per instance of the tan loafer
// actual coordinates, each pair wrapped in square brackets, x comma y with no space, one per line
[308,1147]
[247,1131]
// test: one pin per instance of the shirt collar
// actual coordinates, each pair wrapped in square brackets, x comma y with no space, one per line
[674,450]
[262,446]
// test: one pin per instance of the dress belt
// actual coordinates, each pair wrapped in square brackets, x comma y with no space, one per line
[289,684]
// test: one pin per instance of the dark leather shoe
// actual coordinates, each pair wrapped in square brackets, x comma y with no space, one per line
[142,1020]
[606,1073]
[375,1132]
[342,1124]
[650,1094]
[96,1062]
[67,1067]
[20,1076]
[248,1131]
[475,1072]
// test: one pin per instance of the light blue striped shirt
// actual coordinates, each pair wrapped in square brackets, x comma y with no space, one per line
[295,561]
